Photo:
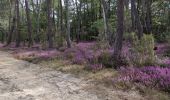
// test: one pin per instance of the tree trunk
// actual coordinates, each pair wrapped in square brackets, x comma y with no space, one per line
[168,18]
[9,40]
[78,8]
[49,23]
[29,25]
[18,37]
[37,39]
[148,17]
[136,19]
[120,30]
[106,22]
[61,23]
[68,39]
[11,24]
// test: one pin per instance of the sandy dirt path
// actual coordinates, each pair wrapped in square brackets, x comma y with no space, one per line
[21,80]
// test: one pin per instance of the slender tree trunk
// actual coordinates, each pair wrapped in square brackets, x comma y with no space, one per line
[106,22]
[37,39]
[148,17]
[78,8]
[68,39]
[18,37]
[53,19]
[136,19]
[9,40]
[100,10]
[169,18]
[29,25]
[120,30]
[61,23]
[133,15]
[49,27]
[11,24]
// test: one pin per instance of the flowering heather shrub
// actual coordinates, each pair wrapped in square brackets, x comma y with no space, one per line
[91,55]
[153,77]
[167,62]
[73,54]
[79,58]
[80,54]
[84,53]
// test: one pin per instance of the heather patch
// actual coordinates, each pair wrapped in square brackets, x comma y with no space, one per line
[86,54]
[151,76]
[91,54]
[36,54]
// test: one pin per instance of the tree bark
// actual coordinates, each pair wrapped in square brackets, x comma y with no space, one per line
[148,17]
[68,39]
[18,37]
[106,21]
[120,30]
[49,23]
[37,39]
[136,20]
[78,8]
[29,24]
[11,24]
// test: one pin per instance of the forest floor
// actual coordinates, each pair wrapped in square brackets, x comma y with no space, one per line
[21,80]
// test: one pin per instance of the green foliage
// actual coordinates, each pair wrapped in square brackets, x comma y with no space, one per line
[99,25]
[59,40]
[23,31]
[163,37]
[167,53]
[142,52]
[43,38]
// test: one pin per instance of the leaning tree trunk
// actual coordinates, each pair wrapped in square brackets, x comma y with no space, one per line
[120,30]
[49,24]
[29,25]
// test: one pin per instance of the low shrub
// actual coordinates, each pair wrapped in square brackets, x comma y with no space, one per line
[167,53]
[163,37]
[105,58]
[151,76]
[142,52]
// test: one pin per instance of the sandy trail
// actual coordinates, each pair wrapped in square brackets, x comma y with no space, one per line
[21,80]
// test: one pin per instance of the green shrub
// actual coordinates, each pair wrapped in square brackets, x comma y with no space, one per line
[142,52]
[163,37]
[105,59]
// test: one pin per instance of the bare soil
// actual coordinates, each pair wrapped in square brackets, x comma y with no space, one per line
[21,80]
